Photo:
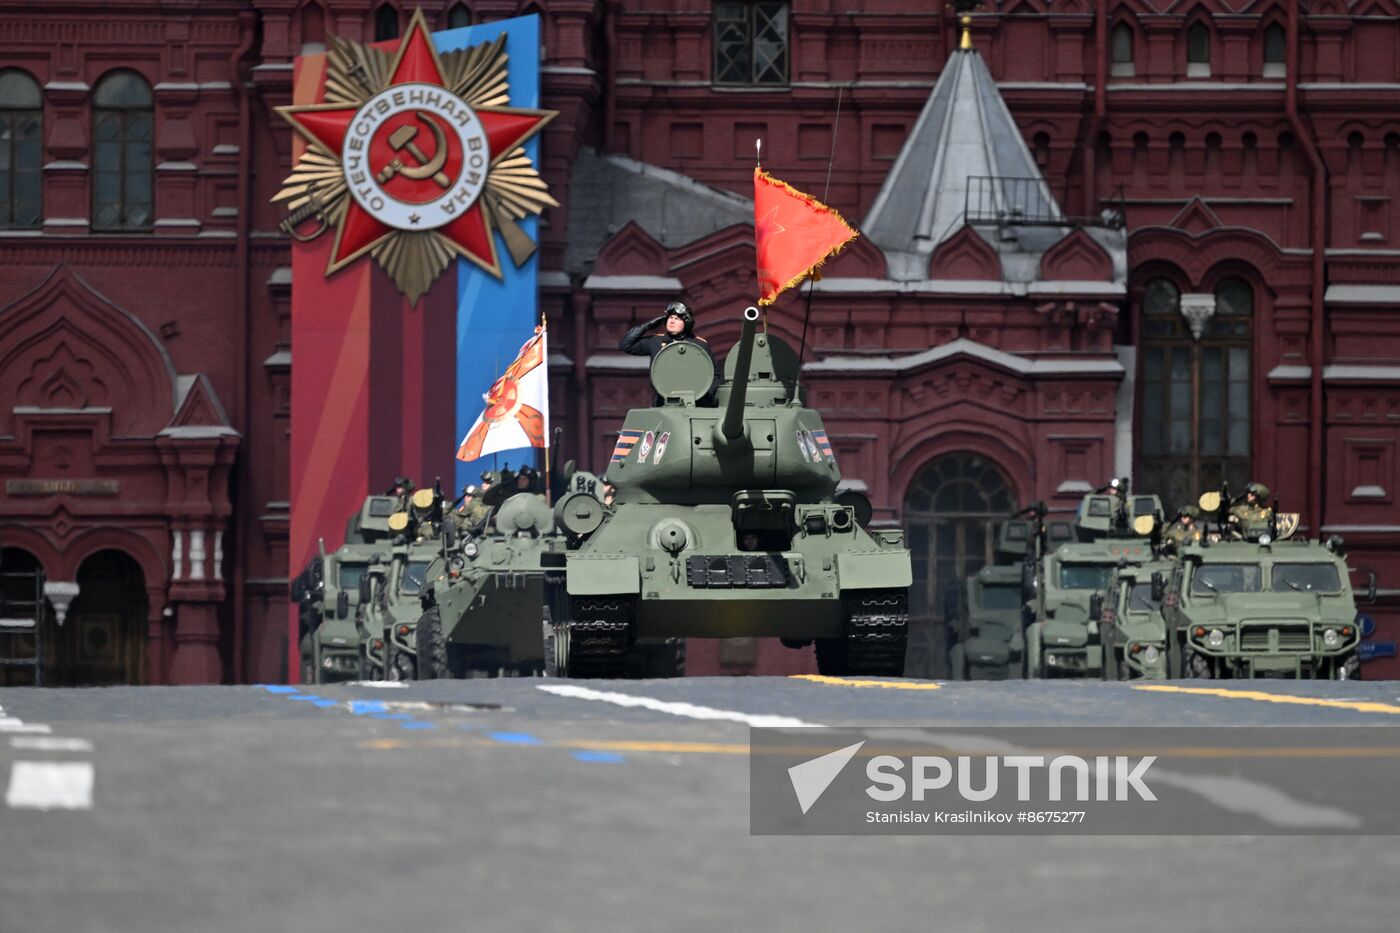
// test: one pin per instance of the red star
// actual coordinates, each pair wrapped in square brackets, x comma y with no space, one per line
[768,226]
[417,62]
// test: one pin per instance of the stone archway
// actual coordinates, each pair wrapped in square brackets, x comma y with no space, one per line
[103,640]
[951,510]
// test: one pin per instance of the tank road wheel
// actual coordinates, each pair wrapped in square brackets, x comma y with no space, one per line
[432,647]
[1350,669]
[556,646]
[397,665]
[877,634]
[1033,655]
[595,639]
[659,660]
[957,663]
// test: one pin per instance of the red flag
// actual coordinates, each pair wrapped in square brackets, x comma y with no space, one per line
[794,233]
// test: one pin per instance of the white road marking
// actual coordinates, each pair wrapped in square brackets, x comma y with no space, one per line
[379,684]
[44,743]
[50,785]
[10,724]
[688,710]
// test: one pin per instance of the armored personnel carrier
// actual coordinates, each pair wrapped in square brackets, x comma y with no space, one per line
[1262,608]
[482,607]
[1132,631]
[1113,528]
[328,592]
[727,523]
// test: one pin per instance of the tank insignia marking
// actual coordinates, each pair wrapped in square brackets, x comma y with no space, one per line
[645,447]
[661,443]
[824,443]
[626,440]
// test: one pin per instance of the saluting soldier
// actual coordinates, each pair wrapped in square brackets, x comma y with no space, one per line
[1184,530]
[677,323]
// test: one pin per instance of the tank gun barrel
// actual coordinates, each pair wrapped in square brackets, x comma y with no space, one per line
[733,425]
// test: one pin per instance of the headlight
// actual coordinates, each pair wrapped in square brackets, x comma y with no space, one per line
[471,550]
[1151,654]
[1216,638]
[1330,638]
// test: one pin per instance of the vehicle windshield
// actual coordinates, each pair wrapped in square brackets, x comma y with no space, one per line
[411,583]
[1085,576]
[1001,596]
[1305,578]
[350,575]
[1226,578]
[1140,599]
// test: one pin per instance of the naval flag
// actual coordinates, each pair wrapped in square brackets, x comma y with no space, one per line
[517,405]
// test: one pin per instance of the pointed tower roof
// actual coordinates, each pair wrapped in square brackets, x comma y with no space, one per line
[965,133]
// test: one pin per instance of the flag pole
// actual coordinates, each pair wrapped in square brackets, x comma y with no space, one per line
[544,332]
[826,192]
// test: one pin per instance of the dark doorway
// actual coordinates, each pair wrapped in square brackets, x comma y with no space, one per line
[951,512]
[103,641]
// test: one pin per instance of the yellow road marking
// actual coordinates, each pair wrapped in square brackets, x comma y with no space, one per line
[848,682]
[713,748]
[1361,706]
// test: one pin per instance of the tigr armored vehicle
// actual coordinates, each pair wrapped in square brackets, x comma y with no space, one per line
[329,590]
[1062,639]
[987,626]
[483,605]
[1132,631]
[727,523]
[1262,608]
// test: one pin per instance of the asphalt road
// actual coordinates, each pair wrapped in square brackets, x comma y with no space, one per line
[515,805]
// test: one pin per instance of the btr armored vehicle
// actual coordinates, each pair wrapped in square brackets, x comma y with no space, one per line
[1262,608]
[482,608]
[727,523]
[329,590]
[1062,639]
[1132,632]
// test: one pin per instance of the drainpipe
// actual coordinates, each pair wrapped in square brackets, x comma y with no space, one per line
[1316,486]
[1091,136]
[248,28]
[609,89]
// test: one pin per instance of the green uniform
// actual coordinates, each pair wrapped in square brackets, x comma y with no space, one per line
[1252,520]
[1179,534]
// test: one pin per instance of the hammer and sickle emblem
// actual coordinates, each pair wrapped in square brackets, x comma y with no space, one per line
[402,139]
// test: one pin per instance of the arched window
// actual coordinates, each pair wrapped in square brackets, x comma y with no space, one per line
[459,16]
[951,512]
[1122,62]
[1198,51]
[21,150]
[122,130]
[1194,372]
[1275,51]
[386,23]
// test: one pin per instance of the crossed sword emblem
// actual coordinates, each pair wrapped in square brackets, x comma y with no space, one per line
[401,140]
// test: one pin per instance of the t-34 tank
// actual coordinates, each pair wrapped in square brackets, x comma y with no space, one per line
[727,523]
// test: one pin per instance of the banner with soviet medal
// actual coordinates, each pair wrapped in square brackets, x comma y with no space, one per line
[413,195]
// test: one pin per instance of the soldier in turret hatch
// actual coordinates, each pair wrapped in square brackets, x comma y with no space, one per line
[1184,530]
[402,490]
[1251,517]
[677,323]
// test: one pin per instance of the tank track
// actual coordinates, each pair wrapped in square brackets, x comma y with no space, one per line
[877,632]
[599,636]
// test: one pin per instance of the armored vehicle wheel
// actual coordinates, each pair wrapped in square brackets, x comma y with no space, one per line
[1033,658]
[1350,669]
[877,634]
[1196,665]
[308,669]
[662,659]
[397,665]
[555,637]
[957,663]
[432,647]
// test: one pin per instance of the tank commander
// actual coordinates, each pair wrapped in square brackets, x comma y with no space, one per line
[401,490]
[677,323]
[1185,530]
[1251,517]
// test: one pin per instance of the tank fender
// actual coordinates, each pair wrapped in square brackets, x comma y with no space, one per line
[874,570]
[604,576]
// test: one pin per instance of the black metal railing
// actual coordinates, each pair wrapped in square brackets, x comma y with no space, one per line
[1027,202]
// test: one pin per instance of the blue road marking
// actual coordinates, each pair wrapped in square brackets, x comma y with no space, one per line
[418,725]
[309,698]
[514,738]
[325,703]
[601,757]
[363,707]
[280,688]
[396,717]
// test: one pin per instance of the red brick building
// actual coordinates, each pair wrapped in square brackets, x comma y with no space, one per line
[1196,278]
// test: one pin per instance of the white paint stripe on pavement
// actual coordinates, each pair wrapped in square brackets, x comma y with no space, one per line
[8,724]
[50,785]
[380,684]
[688,710]
[45,743]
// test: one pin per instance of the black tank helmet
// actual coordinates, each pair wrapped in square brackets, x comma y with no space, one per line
[681,310]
